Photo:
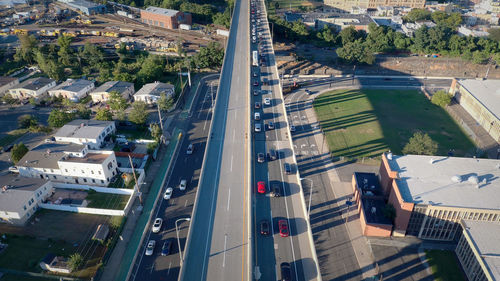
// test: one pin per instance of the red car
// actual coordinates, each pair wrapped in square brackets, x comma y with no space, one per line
[283,226]
[261,187]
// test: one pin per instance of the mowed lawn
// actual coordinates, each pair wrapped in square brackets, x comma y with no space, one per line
[444,265]
[365,123]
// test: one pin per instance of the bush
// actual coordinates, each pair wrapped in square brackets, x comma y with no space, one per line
[18,151]
[420,144]
[441,98]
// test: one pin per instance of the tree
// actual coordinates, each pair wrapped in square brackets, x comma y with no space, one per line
[348,35]
[27,46]
[75,261]
[222,19]
[27,121]
[83,111]
[417,14]
[49,65]
[494,34]
[32,101]
[155,131]
[64,52]
[420,144]
[116,101]
[18,151]
[57,118]
[164,102]
[480,57]
[356,52]
[210,56]
[441,98]
[151,69]
[104,114]
[138,113]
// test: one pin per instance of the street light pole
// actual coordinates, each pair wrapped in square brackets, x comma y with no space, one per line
[181,257]
[310,196]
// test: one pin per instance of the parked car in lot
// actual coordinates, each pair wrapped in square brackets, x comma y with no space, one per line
[275,190]
[292,128]
[288,168]
[283,227]
[286,271]
[157,225]
[168,193]
[183,185]
[270,125]
[267,101]
[261,187]
[264,227]
[272,155]
[167,248]
[150,248]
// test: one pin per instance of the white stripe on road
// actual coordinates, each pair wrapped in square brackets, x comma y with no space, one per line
[225,247]
[228,198]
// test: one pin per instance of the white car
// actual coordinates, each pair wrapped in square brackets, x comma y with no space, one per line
[157,225]
[256,116]
[258,127]
[150,248]
[267,101]
[168,193]
[183,185]
[190,149]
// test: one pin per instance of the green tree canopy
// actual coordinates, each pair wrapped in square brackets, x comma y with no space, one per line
[441,98]
[222,19]
[116,101]
[27,121]
[18,151]
[421,144]
[75,261]
[164,102]
[356,52]
[138,113]
[494,34]
[65,51]
[104,114]
[27,46]
[418,14]
[155,131]
[57,118]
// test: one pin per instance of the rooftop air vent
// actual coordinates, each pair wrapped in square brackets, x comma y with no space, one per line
[373,210]
[432,161]
[456,178]
[389,155]
[473,180]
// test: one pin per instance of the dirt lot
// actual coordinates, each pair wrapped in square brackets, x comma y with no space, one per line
[57,225]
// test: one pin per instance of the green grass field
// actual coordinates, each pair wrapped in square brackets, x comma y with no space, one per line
[365,123]
[444,265]
[107,200]
[293,4]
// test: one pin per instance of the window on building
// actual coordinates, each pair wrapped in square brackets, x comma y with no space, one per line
[83,172]
[162,24]
[54,177]
[102,181]
[29,203]
[84,180]
[93,180]
[92,172]
[156,23]
[150,21]
[99,172]
[24,207]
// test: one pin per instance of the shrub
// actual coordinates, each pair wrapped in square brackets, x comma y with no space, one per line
[441,98]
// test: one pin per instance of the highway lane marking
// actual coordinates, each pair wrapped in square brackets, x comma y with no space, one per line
[225,248]
[185,204]
[234,134]
[228,198]
[272,225]
[169,265]
[231,168]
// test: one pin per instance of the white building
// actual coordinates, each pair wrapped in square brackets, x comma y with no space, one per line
[6,83]
[101,94]
[20,196]
[69,163]
[32,88]
[90,132]
[74,90]
[151,92]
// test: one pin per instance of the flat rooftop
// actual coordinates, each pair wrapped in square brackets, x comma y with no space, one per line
[90,158]
[448,181]
[487,92]
[487,242]
[119,86]
[34,83]
[71,85]
[372,198]
[162,11]
[155,89]
[18,190]
[46,155]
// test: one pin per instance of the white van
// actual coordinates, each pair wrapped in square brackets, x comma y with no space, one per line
[183,184]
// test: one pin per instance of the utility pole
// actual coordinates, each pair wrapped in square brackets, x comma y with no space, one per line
[135,178]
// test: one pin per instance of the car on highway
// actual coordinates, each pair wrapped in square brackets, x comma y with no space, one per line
[261,187]
[168,193]
[258,127]
[255,74]
[256,116]
[288,168]
[286,271]
[264,227]
[270,125]
[267,101]
[13,169]
[255,83]
[157,225]
[150,248]
[257,105]
[260,157]
[275,190]
[166,248]
[308,92]
[283,227]
[190,149]
[255,92]
[292,128]
[183,185]
[272,154]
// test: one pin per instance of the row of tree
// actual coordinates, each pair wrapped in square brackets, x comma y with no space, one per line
[357,46]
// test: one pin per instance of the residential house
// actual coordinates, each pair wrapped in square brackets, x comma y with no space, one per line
[32,88]
[55,263]
[101,94]
[151,92]
[90,132]
[74,90]
[69,163]
[20,196]
[6,83]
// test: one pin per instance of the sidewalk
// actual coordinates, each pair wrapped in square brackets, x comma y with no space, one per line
[341,189]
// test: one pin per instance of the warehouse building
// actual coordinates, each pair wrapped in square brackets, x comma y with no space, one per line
[481,99]
[86,7]
[432,194]
[165,18]
[478,250]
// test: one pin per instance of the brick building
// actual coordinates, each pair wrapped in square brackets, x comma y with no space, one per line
[165,18]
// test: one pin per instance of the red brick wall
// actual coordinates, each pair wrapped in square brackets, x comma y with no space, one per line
[168,22]
[403,209]
[386,175]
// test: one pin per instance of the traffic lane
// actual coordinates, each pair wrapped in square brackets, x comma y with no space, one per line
[368,81]
[181,169]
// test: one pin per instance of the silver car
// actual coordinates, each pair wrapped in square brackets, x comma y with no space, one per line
[258,127]
[150,248]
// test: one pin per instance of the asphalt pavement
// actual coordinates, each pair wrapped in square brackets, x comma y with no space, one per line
[218,241]
[180,206]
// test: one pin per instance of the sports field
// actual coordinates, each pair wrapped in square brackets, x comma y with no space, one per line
[365,123]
